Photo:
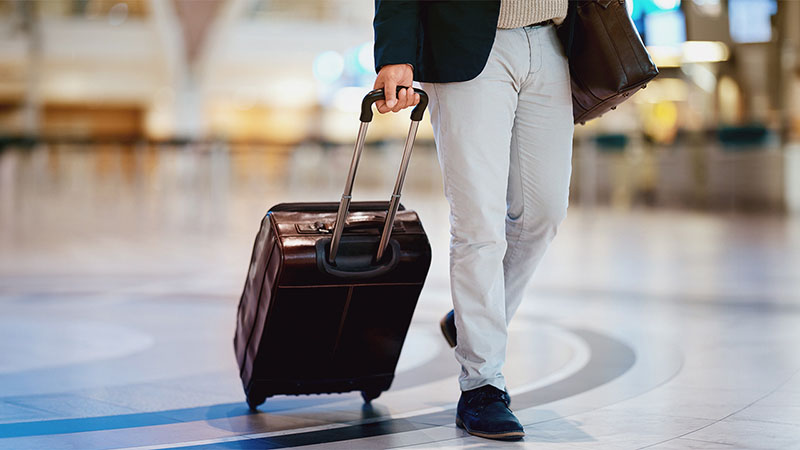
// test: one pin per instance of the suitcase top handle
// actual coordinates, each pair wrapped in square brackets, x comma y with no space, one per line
[377,94]
[394,202]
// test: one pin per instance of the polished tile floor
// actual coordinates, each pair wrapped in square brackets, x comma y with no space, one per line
[120,270]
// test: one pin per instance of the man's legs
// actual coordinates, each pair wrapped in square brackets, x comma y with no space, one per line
[472,122]
[531,63]
[506,135]
[541,153]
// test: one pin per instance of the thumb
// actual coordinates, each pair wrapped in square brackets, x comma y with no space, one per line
[390,93]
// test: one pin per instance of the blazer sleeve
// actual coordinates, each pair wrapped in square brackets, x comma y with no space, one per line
[396,27]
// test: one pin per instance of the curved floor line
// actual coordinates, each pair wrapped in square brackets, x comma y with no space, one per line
[423,373]
[610,359]
[595,373]
[408,378]
[413,377]
[145,419]
[582,356]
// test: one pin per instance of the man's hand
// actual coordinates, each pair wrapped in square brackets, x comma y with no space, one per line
[389,77]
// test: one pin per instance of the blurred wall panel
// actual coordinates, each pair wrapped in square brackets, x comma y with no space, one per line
[85,122]
[10,117]
[707,21]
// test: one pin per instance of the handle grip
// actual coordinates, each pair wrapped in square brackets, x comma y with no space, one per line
[356,262]
[378,94]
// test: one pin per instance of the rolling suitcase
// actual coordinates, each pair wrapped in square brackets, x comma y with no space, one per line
[330,293]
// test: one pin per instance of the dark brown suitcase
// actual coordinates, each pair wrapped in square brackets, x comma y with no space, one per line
[326,308]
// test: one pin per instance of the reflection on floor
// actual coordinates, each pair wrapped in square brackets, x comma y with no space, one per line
[120,271]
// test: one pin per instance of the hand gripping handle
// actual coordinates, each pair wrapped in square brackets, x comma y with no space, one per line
[377,94]
[394,202]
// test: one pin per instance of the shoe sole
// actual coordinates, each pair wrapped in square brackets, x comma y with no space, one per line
[443,327]
[504,436]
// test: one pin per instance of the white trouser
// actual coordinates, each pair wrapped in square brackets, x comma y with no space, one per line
[504,141]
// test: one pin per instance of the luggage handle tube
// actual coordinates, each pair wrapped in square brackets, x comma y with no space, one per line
[394,202]
[347,196]
[398,187]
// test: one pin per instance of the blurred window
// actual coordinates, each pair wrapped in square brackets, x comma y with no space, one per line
[665,28]
[750,20]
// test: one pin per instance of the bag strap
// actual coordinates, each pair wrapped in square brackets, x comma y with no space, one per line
[572,13]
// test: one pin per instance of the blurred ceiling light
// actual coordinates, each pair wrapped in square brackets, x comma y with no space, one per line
[159,123]
[665,55]
[704,51]
[709,7]
[328,66]
[667,4]
[689,52]
[117,14]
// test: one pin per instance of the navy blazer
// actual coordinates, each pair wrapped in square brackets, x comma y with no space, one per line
[444,40]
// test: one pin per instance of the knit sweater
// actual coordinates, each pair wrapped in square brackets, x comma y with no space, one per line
[518,13]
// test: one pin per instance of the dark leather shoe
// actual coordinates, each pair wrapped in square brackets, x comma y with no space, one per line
[484,412]
[448,325]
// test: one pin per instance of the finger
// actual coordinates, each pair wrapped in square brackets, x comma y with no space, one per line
[381,105]
[416,99]
[410,97]
[389,93]
[401,101]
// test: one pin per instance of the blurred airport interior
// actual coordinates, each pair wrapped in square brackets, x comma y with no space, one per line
[719,128]
[142,141]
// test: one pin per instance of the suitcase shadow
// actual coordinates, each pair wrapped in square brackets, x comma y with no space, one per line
[287,413]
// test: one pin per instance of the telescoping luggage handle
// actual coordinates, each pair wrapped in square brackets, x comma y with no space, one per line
[394,202]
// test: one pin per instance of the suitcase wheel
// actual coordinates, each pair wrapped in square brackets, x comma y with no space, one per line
[370,395]
[254,401]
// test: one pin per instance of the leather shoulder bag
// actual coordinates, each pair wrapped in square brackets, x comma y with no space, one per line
[608,61]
